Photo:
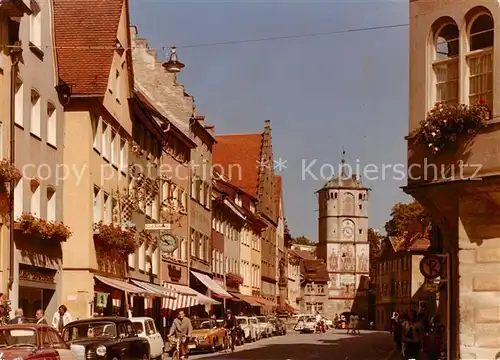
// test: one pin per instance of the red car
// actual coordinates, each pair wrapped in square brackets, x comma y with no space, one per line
[31,341]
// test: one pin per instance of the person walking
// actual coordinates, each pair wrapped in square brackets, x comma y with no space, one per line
[356,324]
[413,336]
[18,317]
[181,329]
[61,318]
[396,331]
[40,317]
[350,325]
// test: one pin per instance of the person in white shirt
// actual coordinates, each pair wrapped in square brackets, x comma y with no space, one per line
[318,318]
[61,318]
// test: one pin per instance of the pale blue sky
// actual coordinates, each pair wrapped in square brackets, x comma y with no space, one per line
[320,93]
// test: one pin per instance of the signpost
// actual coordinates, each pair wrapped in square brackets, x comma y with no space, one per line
[152,227]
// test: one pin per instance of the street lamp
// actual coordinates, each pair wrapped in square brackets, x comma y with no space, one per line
[173,65]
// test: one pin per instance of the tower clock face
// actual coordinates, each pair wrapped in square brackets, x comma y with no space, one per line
[347,232]
[348,229]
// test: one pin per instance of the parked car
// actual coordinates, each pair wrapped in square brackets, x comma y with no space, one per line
[279,326]
[109,337]
[265,326]
[207,335]
[248,329]
[309,325]
[255,324]
[31,341]
[146,328]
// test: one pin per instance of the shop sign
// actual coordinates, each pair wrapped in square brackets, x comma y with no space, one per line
[152,227]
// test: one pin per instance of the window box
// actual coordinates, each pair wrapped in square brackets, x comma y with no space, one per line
[117,240]
[49,230]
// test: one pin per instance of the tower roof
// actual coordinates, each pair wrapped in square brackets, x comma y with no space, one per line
[343,180]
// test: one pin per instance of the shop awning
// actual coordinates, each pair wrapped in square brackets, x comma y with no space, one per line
[216,289]
[266,302]
[250,300]
[186,297]
[153,288]
[124,286]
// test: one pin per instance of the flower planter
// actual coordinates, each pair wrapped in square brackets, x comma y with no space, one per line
[445,124]
[233,280]
[9,172]
[49,230]
[115,240]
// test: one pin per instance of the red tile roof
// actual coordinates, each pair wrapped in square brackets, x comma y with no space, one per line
[237,158]
[315,270]
[81,27]
[277,187]
[303,254]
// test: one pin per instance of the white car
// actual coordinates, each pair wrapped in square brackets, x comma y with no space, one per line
[255,324]
[306,324]
[146,328]
[265,326]
[247,327]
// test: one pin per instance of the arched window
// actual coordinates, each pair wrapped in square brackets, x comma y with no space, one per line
[348,204]
[445,62]
[480,57]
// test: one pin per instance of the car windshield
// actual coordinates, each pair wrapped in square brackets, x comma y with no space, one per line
[261,318]
[139,327]
[242,321]
[202,324]
[310,319]
[90,330]
[17,338]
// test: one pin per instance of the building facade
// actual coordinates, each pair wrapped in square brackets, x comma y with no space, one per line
[452,54]
[400,285]
[250,169]
[38,195]
[343,242]
[314,287]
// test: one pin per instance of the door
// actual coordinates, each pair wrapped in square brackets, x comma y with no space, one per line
[155,339]
[122,346]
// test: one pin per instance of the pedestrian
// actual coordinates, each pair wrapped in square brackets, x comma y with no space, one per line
[413,336]
[18,317]
[356,324]
[61,318]
[350,325]
[181,329]
[397,331]
[40,317]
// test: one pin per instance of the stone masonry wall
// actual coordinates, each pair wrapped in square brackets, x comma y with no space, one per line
[479,294]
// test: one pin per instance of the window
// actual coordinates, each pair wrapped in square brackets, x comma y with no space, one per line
[35,198]
[142,256]
[19,198]
[19,102]
[35,24]
[51,125]
[97,205]
[108,209]
[319,307]
[96,132]
[309,288]
[105,141]
[115,148]
[35,121]
[123,154]
[348,204]
[118,87]
[480,60]
[321,289]
[445,64]
[51,204]
[308,308]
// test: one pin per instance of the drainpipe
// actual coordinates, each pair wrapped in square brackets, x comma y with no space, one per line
[15,54]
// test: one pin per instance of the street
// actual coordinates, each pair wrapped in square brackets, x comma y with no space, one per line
[370,345]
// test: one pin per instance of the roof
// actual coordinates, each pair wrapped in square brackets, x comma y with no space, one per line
[315,270]
[344,182]
[85,37]
[278,187]
[303,254]
[237,157]
[101,319]
[416,244]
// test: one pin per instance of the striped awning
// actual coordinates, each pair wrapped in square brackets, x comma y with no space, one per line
[216,289]
[250,300]
[153,288]
[124,286]
[186,297]
[266,302]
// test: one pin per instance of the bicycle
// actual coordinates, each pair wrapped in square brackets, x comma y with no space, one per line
[230,340]
[175,348]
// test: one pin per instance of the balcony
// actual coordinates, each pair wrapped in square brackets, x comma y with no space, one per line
[14,8]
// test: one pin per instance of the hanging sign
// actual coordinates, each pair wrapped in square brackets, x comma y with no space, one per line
[157,227]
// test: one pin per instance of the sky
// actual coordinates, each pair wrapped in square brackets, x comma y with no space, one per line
[322,94]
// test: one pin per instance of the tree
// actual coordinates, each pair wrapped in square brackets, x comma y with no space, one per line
[375,240]
[406,219]
[302,240]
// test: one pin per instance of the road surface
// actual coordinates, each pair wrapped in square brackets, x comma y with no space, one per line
[334,345]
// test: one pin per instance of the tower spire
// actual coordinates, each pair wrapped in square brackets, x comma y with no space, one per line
[342,173]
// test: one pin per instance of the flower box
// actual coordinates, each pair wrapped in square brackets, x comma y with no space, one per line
[445,123]
[53,230]
[234,279]
[115,240]
[9,172]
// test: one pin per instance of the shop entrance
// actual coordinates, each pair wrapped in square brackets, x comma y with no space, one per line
[32,299]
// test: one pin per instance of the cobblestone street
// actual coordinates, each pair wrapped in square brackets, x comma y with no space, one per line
[370,345]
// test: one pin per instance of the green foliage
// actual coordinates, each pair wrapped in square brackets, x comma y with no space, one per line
[302,240]
[403,219]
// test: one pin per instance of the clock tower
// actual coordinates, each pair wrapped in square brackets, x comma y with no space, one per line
[343,242]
